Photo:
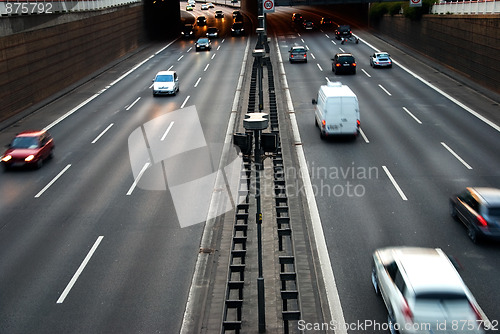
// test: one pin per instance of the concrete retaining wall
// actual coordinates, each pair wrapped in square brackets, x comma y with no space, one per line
[469,44]
[38,63]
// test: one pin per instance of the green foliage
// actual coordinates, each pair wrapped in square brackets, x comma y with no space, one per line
[415,13]
[378,10]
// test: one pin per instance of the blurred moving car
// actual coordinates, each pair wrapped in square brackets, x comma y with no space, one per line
[189,8]
[28,148]
[238,29]
[297,53]
[212,32]
[423,292]
[187,31]
[344,63]
[344,33]
[326,22]
[219,14]
[203,43]
[308,25]
[204,7]
[166,83]
[380,59]
[201,20]
[479,210]
[297,18]
[210,5]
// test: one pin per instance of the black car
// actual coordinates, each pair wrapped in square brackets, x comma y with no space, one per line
[308,25]
[343,31]
[326,22]
[238,29]
[201,20]
[344,63]
[187,31]
[479,210]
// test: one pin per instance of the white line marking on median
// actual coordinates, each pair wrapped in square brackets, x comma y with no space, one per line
[364,136]
[213,56]
[206,67]
[385,90]
[53,181]
[143,170]
[178,59]
[395,184]
[325,263]
[185,101]
[197,82]
[414,117]
[102,133]
[133,104]
[166,132]
[456,156]
[366,73]
[79,271]
[320,68]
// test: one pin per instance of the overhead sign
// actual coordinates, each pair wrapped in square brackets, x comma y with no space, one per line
[415,3]
[268,6]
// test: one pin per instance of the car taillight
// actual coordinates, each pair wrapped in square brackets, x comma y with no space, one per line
[305,55]
[482,221]
[291,56]
[359,123]
[353,64]
[338,65]
[407,312]
[323,123]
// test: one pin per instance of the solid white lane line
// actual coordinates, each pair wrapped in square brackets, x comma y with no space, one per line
[185,101]
[102,133]
[53,181]
[166,132]
[368,75]
[143,170]
[325,264]
[197,82]
[456,156]
[206,67]
[320,68]
[414,117]
[385,90]
[364,136]
[79,271]
[394,183]
[133,104]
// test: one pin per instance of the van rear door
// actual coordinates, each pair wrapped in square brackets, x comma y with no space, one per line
[333,112]
[349,115]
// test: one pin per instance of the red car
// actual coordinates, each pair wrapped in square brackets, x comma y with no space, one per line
[28,148]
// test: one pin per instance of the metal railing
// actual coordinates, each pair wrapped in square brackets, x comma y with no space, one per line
[40,7]
[467,7]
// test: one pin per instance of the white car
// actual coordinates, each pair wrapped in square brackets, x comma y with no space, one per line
[380,59]
[423,292]
[166,83]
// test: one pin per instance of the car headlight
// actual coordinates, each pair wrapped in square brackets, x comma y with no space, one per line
[6,158]
[29,158]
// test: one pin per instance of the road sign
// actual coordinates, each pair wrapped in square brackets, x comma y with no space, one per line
[268,6]
[415,3]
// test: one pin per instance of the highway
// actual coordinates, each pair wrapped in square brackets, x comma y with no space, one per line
[87,248]
[390,186]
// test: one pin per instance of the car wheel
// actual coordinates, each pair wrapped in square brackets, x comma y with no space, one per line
[316,122]
[453,211]
[472,233]
[375,282]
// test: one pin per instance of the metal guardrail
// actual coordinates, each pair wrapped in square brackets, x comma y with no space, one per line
[467,7]
[38,7]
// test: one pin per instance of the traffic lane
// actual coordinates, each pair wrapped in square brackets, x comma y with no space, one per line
[117,174]
[306,84]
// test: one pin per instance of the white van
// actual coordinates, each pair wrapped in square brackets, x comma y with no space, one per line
[337,110]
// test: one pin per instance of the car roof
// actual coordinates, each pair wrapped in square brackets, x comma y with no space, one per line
[165,72]
[298,47]
[344,55]
[428,270]
[381,53]
[486,195]
[31,133]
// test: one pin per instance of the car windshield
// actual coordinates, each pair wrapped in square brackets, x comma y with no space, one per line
[24,142]
[203,40]
[165,78]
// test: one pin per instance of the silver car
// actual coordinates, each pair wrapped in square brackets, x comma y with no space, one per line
[380,59]
[297,53]
[423,292]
